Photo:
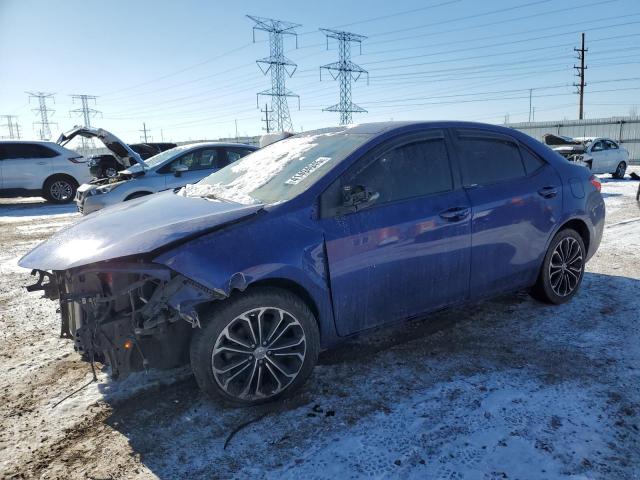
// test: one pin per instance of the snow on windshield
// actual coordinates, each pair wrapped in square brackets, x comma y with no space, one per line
[255,170]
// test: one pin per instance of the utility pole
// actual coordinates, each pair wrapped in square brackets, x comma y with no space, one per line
[279,67]
[236,122]
[145,132]
[43,111]
[530,99]
[267,117]
[581,68]
[346,71]
[12,126]
[86,112]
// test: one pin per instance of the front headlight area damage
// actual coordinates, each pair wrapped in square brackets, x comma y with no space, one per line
[128,315]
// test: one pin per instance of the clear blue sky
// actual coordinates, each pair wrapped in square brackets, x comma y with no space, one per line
[188,68]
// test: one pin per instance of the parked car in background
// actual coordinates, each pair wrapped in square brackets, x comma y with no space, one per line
[170,169]
[30,168]
[250,272]
[106,165]
[598,154]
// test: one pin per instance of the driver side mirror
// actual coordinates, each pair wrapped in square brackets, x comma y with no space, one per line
[179,169]
[355,197]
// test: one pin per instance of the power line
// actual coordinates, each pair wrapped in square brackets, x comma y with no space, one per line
[279,66]
[345,71]
[581,68]
[44,112]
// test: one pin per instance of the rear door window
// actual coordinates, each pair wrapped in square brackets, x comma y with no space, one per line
[490,159]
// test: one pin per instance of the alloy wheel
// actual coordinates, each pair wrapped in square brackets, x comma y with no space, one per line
[61,190]
[565,267]
[620,170]
[259,353]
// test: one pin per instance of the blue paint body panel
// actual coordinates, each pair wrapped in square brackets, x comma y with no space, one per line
[360,270]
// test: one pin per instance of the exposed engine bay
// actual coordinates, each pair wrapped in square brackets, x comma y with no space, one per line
[129,316]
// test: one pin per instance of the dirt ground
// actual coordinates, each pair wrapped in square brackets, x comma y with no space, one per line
[508,388]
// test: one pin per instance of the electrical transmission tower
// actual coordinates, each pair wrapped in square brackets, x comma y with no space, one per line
[346,71]
[581,68]
[279,67]
[12,126]
[45,125]
[86,112]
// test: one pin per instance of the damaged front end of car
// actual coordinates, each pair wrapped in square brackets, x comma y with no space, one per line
[130,316]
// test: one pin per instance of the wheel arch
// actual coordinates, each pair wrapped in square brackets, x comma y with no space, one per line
[295,288]
[63,175]
[581,227]
[138,193]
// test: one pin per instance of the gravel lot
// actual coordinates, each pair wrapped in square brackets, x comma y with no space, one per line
[503,389]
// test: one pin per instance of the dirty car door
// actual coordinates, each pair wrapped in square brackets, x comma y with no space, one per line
[407,252]
[516,200]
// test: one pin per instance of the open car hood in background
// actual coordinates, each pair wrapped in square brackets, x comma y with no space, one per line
[121,151]
[551,139]
[135,227]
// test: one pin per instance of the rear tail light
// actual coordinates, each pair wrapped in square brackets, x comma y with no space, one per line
[595,182]
[79,159]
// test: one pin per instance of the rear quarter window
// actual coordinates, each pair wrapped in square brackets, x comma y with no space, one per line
[532,162]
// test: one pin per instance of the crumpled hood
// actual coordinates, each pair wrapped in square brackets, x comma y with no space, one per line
[131,228]
[570,149]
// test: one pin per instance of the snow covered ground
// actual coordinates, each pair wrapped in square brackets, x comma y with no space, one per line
[508,388]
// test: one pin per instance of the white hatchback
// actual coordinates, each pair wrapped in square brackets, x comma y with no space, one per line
[30,168]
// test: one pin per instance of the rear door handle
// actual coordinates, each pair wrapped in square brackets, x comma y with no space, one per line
[455,213]
[42,163]
[548,192]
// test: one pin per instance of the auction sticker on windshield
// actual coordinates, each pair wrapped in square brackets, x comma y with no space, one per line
[308,170]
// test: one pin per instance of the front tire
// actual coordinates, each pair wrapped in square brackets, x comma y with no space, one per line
[60,189]
[620,170]
[562,269]
[255,347]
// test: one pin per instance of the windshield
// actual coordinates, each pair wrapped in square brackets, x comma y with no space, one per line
[166,155]
[279,171]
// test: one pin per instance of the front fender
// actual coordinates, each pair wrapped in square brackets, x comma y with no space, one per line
[269,248]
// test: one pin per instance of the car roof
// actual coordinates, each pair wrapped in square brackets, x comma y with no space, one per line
[379,128]
[39,142]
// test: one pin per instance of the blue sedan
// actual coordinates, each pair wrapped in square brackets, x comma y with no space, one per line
[251,272]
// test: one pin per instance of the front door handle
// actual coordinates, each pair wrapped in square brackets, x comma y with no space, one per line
[455,214]
[42,163]
[548,192]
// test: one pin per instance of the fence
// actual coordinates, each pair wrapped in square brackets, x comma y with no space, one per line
[625,130]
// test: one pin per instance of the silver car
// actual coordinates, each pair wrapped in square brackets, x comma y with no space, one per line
[170,169]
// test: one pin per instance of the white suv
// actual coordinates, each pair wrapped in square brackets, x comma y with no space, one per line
[41,168]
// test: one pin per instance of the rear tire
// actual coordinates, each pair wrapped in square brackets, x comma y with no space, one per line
[620,170]
[255,347]
[562,269]
[60,189]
